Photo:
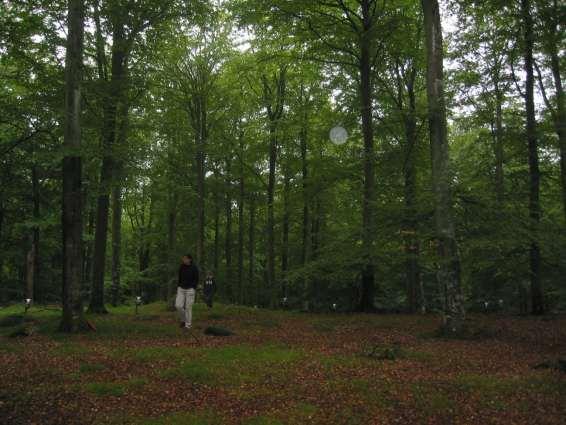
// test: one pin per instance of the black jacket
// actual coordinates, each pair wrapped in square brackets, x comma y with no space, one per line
[188,276]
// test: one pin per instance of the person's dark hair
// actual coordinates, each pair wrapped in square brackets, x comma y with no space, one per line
[189,256]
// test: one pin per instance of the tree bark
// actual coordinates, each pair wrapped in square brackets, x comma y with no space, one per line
[306,234]
[30,261]
[201,136]
[499,182]
[116,242]
[122,138]
[228,235]
[72,191]
[274,100]
[35,234]
[251,251]
[271,216]
[241,226]
[171,241]
[88,251]
[116,90]
[415,296]
[217,208]
[534,172]
[449,261]
[285,241]
[368,213]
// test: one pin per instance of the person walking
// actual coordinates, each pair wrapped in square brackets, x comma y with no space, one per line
[209,288]
[188,282]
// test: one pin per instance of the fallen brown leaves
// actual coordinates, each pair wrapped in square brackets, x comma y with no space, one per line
[47,380]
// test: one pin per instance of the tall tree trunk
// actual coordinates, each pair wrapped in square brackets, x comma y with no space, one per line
[534,172]
[241,226]
[200,160]
[560,122]
[251,251]
[274,99]
[171,241]
[499,186]
[449,261]
[88,251]
[368,219]
[30,260]
[217,208]
[306,234]
[3,287]
[285,241]
[116,90]
[412,267]
[271,277]
[228,235]
[35,235]
[116,242]
[72,224]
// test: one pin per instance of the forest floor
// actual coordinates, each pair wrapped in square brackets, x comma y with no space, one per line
[280,368]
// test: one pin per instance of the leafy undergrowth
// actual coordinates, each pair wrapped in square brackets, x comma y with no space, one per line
[279,368]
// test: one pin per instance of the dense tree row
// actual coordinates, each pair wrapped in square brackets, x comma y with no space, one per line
[156,128]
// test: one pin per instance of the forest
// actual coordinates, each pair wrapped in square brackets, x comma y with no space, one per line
[377,186]
[203,127]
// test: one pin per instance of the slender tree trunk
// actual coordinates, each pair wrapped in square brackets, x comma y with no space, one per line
[122,139]
[534,172]
[241,226]
[412,267]
[560,122]
[114,97]
[171,241]
[271,216]
[217,209]
[3,293]
[200,159]
[368,219]
[228,235]
[274,98]
[35,235]
[449,260]
[285,242]
[30,261]
[116,242]
[88,251]
[499,186]
[315,244]
[305,246]
[72,197]
[251,251]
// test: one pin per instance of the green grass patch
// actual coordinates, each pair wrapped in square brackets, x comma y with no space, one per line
[324,326]
[106,388]
[155,353]
[262,420]
[115,389]
[396,352]
[432,400]
[91,367]
[234,365]
[194,418]
[136,383]
[267,323]
[70,349]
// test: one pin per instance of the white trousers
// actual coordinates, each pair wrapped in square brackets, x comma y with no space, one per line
[184,304]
